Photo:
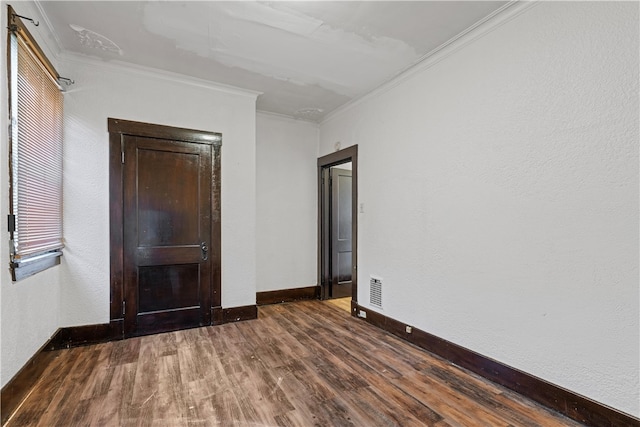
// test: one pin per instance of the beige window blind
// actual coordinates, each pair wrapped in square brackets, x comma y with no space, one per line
[36,154]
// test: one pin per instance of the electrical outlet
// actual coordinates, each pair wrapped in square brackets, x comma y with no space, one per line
[408,328]
[362,314]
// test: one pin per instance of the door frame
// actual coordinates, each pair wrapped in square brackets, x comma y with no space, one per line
[349,154]
[117,130]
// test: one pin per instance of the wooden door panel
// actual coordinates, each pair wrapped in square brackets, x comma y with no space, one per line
[344,267]
[167,219]
[165,321]
[167,202]
[343,224]
[341,231]
[165,255]
[165,287]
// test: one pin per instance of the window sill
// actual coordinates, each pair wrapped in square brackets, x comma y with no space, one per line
[31,266]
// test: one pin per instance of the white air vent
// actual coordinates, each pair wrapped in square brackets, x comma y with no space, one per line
[375,291]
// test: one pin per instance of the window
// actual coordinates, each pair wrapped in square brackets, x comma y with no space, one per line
[35,155]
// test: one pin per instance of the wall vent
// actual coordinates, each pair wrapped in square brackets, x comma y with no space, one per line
[375,291]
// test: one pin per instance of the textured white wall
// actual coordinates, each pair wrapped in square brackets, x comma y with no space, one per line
[103,91]
[287,199]
[29,308]
[500,191]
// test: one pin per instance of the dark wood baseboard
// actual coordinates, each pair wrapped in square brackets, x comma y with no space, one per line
[216,315]
[238,314]
[287,295]
[85,335]
[559,399]
[220,316]
[17,389]
[14,392]
[94,334]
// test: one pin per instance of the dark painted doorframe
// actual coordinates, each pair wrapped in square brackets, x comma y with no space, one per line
[349,154]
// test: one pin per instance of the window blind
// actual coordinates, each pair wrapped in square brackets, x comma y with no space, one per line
[36,154]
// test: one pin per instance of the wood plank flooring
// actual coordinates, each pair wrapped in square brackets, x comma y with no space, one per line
[300,364]
[343,303]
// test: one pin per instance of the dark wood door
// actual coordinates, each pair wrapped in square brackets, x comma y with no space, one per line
[340,229]
[167,234]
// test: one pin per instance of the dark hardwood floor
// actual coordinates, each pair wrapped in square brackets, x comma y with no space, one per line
[300,364]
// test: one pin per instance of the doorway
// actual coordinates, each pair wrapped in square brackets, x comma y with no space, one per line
[337,224]
[165,226]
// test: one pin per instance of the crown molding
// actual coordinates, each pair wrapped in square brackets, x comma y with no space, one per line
[491,22]
[58,45]
[286,117]
[44,35]
[128,68]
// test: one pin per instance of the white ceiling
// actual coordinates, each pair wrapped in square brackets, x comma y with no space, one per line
[307,57]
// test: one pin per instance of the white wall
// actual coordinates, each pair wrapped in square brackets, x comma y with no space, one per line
[29,308]
[287,200]
[500,191]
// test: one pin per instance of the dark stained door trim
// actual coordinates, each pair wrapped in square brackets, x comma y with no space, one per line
[349,154]
[117,130]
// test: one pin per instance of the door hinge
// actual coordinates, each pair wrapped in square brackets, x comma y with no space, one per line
[124,307]
[122,157]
